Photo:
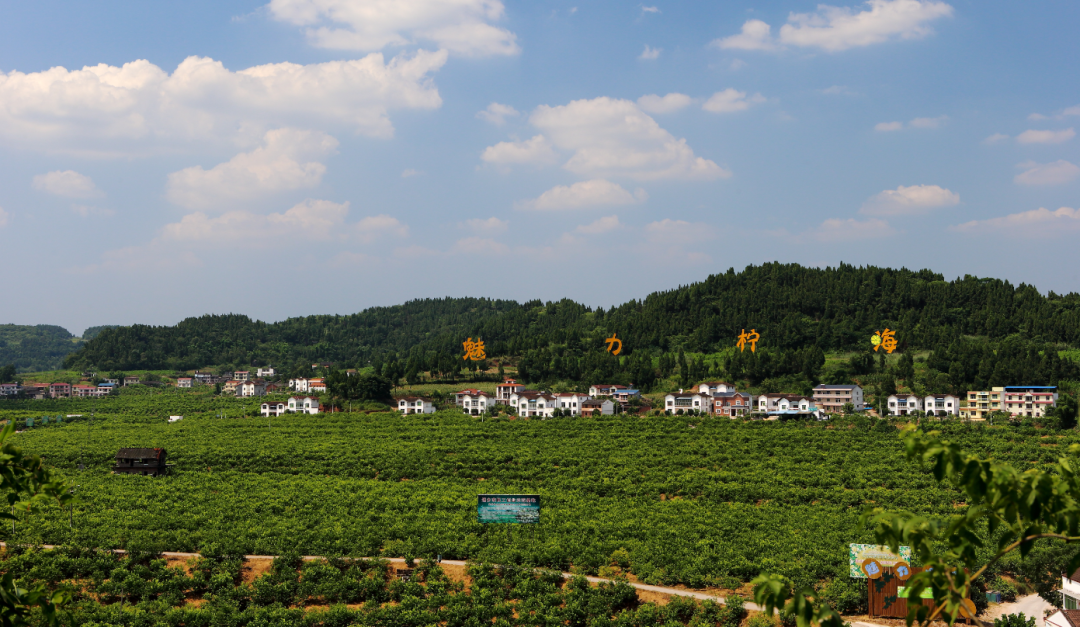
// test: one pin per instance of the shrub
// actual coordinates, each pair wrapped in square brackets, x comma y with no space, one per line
[1014,620]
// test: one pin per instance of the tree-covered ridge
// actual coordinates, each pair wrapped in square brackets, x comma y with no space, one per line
[792,307]
[35,348]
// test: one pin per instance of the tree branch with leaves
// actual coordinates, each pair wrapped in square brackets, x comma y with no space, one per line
[1014,508]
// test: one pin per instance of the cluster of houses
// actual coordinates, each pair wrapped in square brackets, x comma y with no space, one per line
[601,400]
[61,389]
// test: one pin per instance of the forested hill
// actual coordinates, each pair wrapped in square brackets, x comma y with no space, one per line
[792,307]
[40,347]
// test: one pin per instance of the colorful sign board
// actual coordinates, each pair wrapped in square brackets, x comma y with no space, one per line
[858,554]
[508,508]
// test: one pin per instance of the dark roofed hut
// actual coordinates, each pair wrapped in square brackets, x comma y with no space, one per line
[141,461]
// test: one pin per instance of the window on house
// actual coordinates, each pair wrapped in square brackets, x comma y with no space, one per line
[1070,603]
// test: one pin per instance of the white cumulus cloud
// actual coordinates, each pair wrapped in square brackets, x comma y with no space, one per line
[664,104]
[497,113]
[536,150]
[319,220]
[730,101]
[606,137]
[465,27]
[889,126]
[139,107]
[996,138]
[835,29]
[1046,137]
[67,183]
[594,193]
[273,167]
[601,225]
[650,53]
[911,200]
[670,231]
[923,123]
[1039,222]
[1055,173]
[754,35]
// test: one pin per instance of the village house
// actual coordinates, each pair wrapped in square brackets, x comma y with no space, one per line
[229,387]
[316,385]
[941,405]
[832,398]
[624,395]
[1069,615]
[1030,400]
[184,382]
[272,388]
[505,389]
[732,404]
[473,401]
[605,407]
[570,402]
[794,406]
[715,387]
[251,388]
[265,372]
[274,408]
[415,405]
[60,390]
[88,391]
[298,385]
[9,389]
[133,380]
[601,390]
[904,404]
[530,403]
[765,403]
[37,391]
[242,375]
[141,461]
[686,401]
[981,403]
[303,404]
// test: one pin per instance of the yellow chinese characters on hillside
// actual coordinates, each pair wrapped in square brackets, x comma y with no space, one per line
[474,350]
[748,338]
[884,339]
[611,342]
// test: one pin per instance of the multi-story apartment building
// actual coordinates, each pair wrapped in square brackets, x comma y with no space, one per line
[982,403]
[832,398]
[1029,400]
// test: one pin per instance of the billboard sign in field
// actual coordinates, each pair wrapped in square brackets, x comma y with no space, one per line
[859,554]
[508,508]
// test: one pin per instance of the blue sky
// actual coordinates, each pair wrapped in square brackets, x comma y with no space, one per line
[163,160]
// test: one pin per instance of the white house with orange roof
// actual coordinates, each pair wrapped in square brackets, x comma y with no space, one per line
[570,401]
[506,388]
[473,402]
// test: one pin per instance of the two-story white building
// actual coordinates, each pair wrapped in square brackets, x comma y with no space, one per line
[941,404]
[473,402]
[265,372]
[765,403]
[242,375]
[530,404]
[9,389]
[251,388]
[183,382]
[570,401]
[904,404]
[274,408]
[415,405]
[316,385]
[303,404]
[687,401]
[298,385]
[505,389]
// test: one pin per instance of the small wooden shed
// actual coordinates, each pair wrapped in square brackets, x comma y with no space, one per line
[141,461]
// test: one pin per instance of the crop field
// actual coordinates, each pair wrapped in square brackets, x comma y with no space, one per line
[696,501]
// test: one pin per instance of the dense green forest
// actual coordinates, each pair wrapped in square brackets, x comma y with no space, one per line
[800,313]
[35,348]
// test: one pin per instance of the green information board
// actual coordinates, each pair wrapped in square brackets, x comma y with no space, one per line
[508,508]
